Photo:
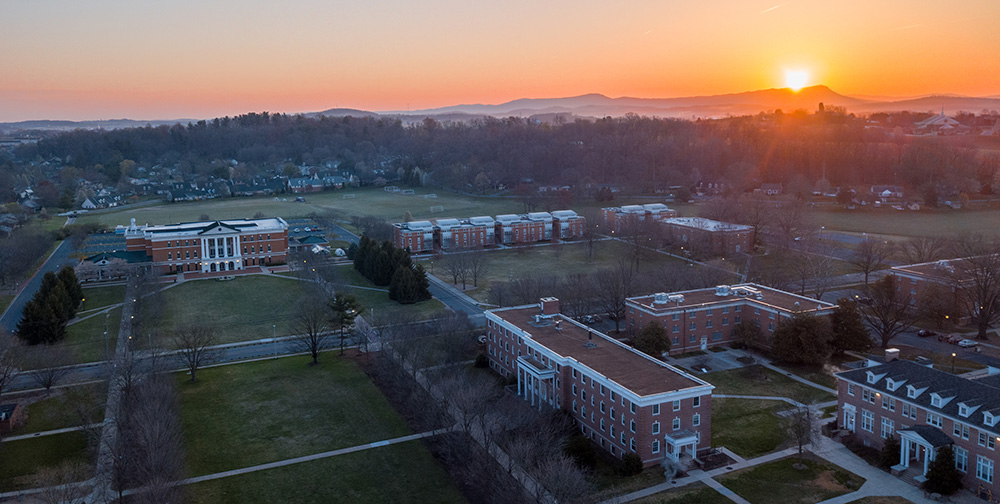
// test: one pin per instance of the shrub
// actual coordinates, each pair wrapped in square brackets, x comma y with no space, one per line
[582,451]
[482,361]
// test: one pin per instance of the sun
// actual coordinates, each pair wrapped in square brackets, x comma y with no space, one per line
[796,79]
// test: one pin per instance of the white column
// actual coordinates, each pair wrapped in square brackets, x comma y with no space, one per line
[204,255]
[237,253]
[904,452]
[927,459]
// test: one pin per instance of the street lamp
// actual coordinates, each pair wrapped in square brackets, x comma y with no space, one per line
[274,338]
[953,363]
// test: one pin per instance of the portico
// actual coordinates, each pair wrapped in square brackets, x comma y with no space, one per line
[220,248]
[536,382]
[919,445]
[677,442]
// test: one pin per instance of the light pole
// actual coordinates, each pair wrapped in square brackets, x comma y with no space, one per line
[953,363]
[274,338]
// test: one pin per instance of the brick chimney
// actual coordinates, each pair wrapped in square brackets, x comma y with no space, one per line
[891,354]
[550,306]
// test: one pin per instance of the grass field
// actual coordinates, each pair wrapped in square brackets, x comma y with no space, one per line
[748,427]
[23,459]
[242,415]
[379,300]
[757,380]
[404,473]
[59,410]
[941,222]
[690,494]
[85,339]
[97,297]
[366,201]
[558,260]
[779,483]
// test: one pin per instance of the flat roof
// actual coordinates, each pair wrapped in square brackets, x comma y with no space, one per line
[769,297]
[194,228]
[706,224]
[627,367]
[941,271]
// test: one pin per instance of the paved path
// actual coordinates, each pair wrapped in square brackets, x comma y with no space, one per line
[793,402]
[49,433]
[795,377]
[56,260]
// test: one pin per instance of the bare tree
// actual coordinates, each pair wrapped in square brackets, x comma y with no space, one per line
[52,366]
[193,343]
[790,222]
[923,249]
[478,266]
[576,294]
[639,234]
[871,255]
[977,277]
[592,229]
[755,211]
[63,484]
[888,312]
[799,428]
[455,265]
[10,360]
[565,481]
[614,286]
[312,327]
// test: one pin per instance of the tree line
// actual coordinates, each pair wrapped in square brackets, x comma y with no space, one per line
[639,154]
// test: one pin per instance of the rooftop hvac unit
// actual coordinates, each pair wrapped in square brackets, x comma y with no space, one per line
[722,290]
[676,298]
[660,298]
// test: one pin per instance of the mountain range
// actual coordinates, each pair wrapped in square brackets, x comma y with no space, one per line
[598,105]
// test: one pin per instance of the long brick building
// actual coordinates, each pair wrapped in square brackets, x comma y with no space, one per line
[709,236]
[622,399]
[926,409]
[702,318]
[484,231]
[211,246]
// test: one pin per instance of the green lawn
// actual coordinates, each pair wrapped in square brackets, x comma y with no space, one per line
[779,482]
[5,301]
[757,380]
[941,222]
[23,459]
[379,300]
[59,410]
[85,339]
[557,260]
[403,473]
[815,374]
[690,494]
[96,297]
[610,483]
[748,427]
[246,414]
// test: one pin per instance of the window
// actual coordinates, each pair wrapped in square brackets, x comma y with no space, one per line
[631,407]
[612,413]
[887,427]
[656,427]
[656,447]
[583,395]
[850,389]
[708,324]
[725,309]
[737,319]
[987,440]
[574,390]
[631,444]
[867,421]
[611,395]
[984,469]
[697,401]
[694,314]
[961,458]
[612,427]
[623,438]
[708,312]
[574,373]
[756,311]
[770,315]
[909,411]
[602,389]
[738,309]
[696,420]
[583,412]
[656,409]
[888,403]
[693,326]
[934,420]
[574,404]
[868,395]
[677,405]
[725,321]
[677,329]
[602,407]
[631,425]
[961,430]
[602,425]
[676,424]
[676,316]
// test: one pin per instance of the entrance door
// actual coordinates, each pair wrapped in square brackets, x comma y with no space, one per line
[849,420]
[704,343]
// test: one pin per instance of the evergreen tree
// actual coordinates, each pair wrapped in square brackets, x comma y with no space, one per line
[67,277]
[942,475]
[847,328]
[652,340]
[889,456]
[382,269]
[802,339]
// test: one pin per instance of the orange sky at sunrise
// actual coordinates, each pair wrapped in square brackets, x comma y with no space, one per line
[107,59]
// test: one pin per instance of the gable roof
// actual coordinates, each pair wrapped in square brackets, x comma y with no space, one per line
[931,434]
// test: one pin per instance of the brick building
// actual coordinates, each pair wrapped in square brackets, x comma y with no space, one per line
[702,318]
[513,229]
[416,236]
[708,236]
[211,246]
[622,399]
[940,279]
[453,234]
[568,225]
[925,409]
[616,217]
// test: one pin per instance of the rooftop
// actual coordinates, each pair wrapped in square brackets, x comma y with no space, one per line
[752,293]
[706,224]
[195,228]
[632,370]
[942,271]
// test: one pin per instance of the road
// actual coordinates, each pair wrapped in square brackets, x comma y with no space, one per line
[456,300]
[59,258]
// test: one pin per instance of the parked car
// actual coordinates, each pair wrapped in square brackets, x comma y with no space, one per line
[954,339]
[924,333]
[967,343]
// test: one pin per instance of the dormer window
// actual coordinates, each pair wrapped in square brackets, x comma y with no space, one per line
[990,419]
[874,378]
[938,401]
[892,385]
[964,410]
[914,392]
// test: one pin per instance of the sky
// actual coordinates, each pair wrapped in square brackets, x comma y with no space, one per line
[142,59]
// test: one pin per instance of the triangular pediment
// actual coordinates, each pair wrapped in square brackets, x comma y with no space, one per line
[218,228]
